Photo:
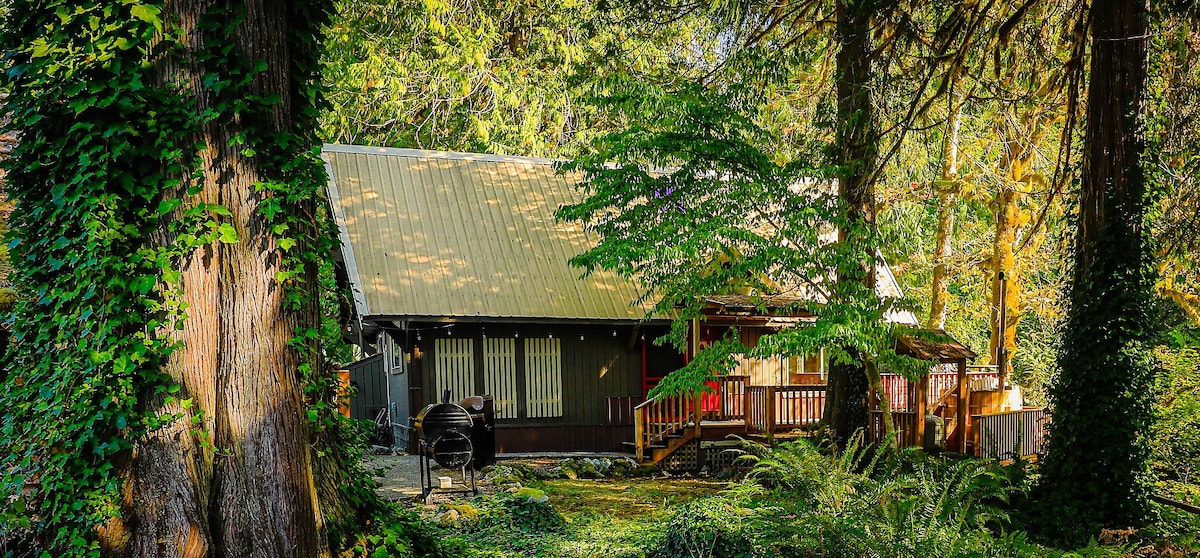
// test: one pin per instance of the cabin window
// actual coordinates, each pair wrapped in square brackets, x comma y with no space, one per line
[454,367]
[814,364]
[500,375]
[543,378]
[395,354]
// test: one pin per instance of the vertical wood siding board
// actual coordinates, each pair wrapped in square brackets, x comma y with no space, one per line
[558,379]
[543,380]
[510,379]
[550,386]
[570,387]
[547,385]
[530,379]
[530,372]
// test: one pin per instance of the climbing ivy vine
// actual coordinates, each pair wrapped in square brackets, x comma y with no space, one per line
[107,167]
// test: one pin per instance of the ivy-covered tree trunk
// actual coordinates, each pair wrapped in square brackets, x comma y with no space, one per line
[1101,400]
[256,496]
[846,403]
[165,366]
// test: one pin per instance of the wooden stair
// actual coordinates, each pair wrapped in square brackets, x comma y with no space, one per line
[655,453]
[662,426]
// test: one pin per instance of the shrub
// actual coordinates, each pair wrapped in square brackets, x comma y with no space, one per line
[717,527]
[397,532]
[890,504]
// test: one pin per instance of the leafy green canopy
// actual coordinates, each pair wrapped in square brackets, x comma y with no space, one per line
[487,76]
[690,201]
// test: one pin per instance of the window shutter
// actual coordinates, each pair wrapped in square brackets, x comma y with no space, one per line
[543,378]
[454,368]
[500,375]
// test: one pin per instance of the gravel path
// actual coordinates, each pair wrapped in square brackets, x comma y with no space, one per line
[399,476]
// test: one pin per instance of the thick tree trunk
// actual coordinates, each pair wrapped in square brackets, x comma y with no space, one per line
[1101,399]
[846,403]
[237,481]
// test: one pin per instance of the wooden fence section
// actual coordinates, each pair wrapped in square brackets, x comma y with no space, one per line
[500,375]
[619,410]
[1009,435]
[454,368]
[905,423]
[771,409]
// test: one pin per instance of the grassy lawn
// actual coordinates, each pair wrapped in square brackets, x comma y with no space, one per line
[836,513]
[599,518]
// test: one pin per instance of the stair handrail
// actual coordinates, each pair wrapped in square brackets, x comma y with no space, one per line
[659,417]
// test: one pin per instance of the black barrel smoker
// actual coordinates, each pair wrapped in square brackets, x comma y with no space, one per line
[483,429]
[456,437]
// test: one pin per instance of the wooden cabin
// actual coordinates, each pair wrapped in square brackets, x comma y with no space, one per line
[460,283]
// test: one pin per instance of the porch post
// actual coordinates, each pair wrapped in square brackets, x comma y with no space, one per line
[639,431]
[771,414]
[922,405]
[964,401]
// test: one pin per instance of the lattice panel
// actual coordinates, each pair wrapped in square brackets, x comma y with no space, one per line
[686,458]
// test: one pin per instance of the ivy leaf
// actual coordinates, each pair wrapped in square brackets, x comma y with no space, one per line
[168,205]
[148,14]
[226,234]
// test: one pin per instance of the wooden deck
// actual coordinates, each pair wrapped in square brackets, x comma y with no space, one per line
[774,413]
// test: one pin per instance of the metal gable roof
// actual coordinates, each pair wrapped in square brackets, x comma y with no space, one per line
[436,234]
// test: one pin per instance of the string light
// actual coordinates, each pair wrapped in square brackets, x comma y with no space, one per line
[552,336]
[581,337]
[614,333]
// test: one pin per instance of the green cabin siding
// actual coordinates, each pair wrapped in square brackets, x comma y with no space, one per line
[595,364]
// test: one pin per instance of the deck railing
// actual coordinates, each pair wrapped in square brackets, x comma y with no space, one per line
[658,419]
[771,409]
[731,395]
[1009,435]
[903,394]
